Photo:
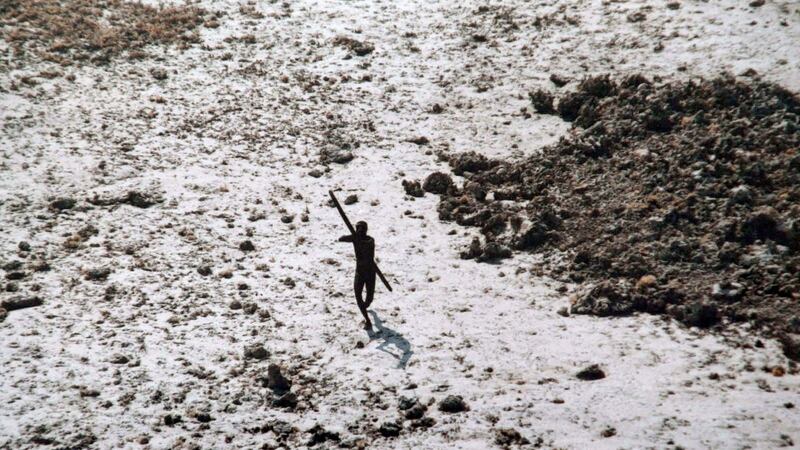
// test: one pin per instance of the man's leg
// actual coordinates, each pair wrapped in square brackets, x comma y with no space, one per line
[370,281]
[359,286]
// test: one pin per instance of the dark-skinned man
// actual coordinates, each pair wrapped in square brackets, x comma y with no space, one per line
[364,246]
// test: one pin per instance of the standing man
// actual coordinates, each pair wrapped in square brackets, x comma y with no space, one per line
[365,267]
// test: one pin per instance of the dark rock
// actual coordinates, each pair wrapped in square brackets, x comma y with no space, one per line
[359,48]
[315,173]
[405,403]
[235,304]
[336,155]
[591,373]
[437,183]
[204,270]
[470,162]
[12,265]
[172,419]
[569,105]
[608,432]
[558,80]
[141,199]
[276,381]
[542,101]
[494,251]
[413,188]
[320,435]
[287,400]
[453,404]
[419,140]
[15,275]
[700,314]
[247,246]
[62,204]
[97,274]
[508,436]
[425,422]
[15,303]
[475,250]
[390,429]
[599,86]
[119,358]
[604,299]
[287,218]
[351,199]
[790,344]
[158,73]
[417,411]
[3,314]
[255,351]
[24,246]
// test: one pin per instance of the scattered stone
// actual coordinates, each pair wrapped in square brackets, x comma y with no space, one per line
[16,303]
[359,48]
[390,429]
[417,411]
[287,400]
[3,314]
[494,251]
[320,435]
[351,199]
[276,381]
[287,218]
[413,188]
[235,304]
[158,73]
[172,419]
[508,436]
[558,80]
[563,311]
[542,101]
[24,246]
[62,204]
[204,270]
[119,358]
[12,265]
[453,404]
[247,246]
[97,274]
[437,183]
[255,351]
[591,373]
[315,173]
[425,422]
[701,315]
[333,154]
[419,140]
[15,275]
[608,432]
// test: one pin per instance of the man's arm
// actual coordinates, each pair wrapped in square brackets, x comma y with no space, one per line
[346,238]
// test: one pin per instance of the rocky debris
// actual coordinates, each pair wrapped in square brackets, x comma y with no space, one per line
[419,140]
[359,48]
[134,198]
[13,276]
[691,184]
[542,101]
[413,188]
[16,303]
[558,80]
[3,314]
[411,408]
[247,246]
[390,429]
[334,154]
[351,199]
[287,400]
[320,435]
[494,251]
[437,183]
[12,265]
[62,204]
[608,432]
[119,358]
[97,274]
[24,246]
[591,373]
[204,270]
[505,437]
[235,305]
[158,73]
[276,381]
[701,314]
[425,422]
[172,419]
[453,404]
[255,351]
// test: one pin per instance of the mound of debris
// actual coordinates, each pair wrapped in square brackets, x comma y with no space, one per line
[680,198]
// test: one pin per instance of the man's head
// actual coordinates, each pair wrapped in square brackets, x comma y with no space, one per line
[361,228]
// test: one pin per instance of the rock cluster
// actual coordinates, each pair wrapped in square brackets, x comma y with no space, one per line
[680,198]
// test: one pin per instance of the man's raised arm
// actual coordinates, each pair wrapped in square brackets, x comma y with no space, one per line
[346,238]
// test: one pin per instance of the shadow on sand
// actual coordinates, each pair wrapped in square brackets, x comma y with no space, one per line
[392,343]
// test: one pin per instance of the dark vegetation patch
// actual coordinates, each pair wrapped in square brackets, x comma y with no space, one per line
[96,30]
[679,198]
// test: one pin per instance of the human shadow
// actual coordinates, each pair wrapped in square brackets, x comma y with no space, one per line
[391,338]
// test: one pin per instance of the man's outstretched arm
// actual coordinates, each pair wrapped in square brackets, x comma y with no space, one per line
[346,238]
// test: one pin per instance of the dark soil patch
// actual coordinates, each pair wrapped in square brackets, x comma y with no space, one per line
[95,30]
[681,198]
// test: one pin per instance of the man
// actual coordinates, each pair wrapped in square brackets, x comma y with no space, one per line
[365,267]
